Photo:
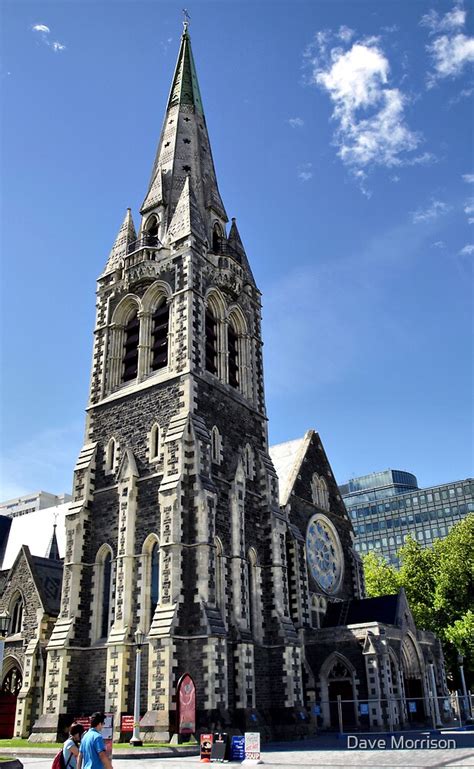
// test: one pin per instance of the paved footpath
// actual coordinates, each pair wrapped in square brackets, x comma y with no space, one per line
[307,754]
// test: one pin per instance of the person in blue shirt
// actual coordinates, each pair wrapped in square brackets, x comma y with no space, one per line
[92,753]
[71,746]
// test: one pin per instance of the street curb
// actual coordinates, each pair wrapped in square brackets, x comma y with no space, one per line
[126,753]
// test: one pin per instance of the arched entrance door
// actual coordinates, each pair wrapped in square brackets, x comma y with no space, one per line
[338,682]
[413,683]
[186,705]
[11,686]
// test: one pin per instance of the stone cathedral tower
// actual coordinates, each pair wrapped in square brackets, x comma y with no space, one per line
[175,526]
[179,526]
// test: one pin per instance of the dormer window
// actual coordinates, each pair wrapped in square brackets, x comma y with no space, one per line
[151,231]
[216,239]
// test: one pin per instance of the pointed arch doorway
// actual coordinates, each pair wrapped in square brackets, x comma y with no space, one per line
[11,685]
[337,679]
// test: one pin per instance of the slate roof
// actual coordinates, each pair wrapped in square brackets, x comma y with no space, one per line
[383,609]
[48,576]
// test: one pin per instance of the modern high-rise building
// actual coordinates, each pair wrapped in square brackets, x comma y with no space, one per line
[28,503]
[385,507]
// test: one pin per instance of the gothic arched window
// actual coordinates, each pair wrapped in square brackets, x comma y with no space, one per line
[159,344]
[216,239]
[320,493]
[254,608]
[215,445]
[211,342]
[233,356]
[151,230]
[16,614]
[155,445]
[110,456]
[154,579]
[106,614]
[220,576]
[130,357]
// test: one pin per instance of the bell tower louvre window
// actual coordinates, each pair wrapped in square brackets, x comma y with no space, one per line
[211,342]
[233,357]
[130,359]
[159,345]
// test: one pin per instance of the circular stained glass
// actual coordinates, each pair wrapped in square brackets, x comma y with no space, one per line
[324,553]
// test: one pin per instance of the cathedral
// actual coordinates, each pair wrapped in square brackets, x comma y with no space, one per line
[235,561]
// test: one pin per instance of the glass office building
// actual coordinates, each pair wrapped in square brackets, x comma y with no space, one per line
[386,507]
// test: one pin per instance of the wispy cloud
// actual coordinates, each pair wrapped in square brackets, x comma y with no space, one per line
[296,122]
[468,178]
[467,250]
[44,32]
[435,209]
[439,244]
[469,210]
[304,172]
[450,49]
[369,113]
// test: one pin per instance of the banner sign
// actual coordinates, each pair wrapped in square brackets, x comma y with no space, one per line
[364,709]
[187,705]
[252,746]
[127,723]
[206,747]
[237,748]
[84,721]
[412,707]
[108,733]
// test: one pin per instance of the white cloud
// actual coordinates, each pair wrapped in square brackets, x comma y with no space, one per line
[296,122]
[450,49]
[345,34]
[469,178]
[304,172]
[450,21]
[44,32]
[469,210]
[467,250]
[439,244]
[369,113]
[436,209]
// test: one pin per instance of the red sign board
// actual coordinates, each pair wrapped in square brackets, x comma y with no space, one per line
[84,721]
[127,724]
[186,705]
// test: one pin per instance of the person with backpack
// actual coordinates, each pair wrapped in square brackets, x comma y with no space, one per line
[66,758]
[92,753]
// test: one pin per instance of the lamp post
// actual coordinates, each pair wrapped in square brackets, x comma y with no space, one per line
[4,625]
[467,704]
[136,740]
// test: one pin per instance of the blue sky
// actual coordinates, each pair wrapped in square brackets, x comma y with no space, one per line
[342,139]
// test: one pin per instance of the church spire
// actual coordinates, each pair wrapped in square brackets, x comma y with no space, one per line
[184,151]
[53,550]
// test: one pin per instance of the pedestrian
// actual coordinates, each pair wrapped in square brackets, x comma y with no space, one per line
[92,753]
[71,746]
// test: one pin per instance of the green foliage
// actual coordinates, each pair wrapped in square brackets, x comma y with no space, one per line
[380,578]
[439,584]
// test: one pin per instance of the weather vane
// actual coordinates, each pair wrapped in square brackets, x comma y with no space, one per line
[187,18]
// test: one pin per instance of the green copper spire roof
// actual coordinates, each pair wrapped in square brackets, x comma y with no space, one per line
[185,86]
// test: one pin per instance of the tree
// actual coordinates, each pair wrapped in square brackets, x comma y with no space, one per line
[439,584]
